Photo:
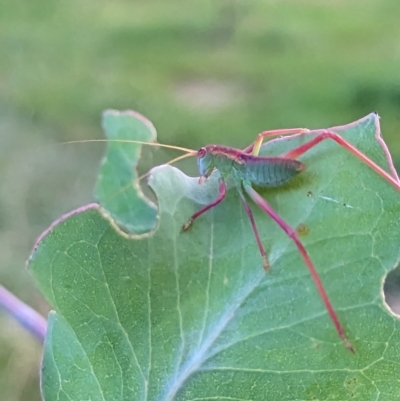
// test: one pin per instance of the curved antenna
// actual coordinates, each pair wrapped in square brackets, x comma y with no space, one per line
[132,141]
[189,152]
[172,162]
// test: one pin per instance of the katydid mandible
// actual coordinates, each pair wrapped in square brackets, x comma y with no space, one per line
[247,169]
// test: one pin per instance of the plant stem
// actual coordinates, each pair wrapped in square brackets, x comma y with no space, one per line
[31,320]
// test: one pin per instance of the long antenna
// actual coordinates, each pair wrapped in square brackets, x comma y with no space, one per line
[172,162]
[132,141]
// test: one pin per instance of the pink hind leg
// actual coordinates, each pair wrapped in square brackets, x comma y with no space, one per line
[295,153]
[262,204]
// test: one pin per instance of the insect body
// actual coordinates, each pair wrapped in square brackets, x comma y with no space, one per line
[261,171]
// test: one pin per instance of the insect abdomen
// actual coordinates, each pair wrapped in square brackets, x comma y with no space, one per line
[272,171]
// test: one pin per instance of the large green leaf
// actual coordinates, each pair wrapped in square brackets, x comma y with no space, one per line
[193,316]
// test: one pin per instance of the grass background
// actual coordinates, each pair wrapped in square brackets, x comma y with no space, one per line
[203,71]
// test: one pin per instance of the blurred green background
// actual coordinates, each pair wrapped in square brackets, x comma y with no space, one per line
[203,71]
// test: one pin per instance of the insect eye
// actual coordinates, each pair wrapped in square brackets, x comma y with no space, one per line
[201,152]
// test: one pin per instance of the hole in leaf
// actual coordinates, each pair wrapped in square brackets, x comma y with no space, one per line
[391,290]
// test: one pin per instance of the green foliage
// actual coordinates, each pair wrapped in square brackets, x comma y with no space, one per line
[264,65]
[287,63]
[184,316]
[114,189]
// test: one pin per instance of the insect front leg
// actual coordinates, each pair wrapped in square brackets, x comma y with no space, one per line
[219,199]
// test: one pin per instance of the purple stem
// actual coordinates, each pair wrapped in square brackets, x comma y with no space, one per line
[35,323]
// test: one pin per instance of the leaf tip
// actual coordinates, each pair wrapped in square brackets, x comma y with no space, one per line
[55,223]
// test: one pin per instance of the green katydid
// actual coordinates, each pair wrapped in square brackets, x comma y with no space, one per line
[247,168]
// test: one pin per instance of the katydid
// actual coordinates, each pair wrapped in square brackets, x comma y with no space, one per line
[247,168]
